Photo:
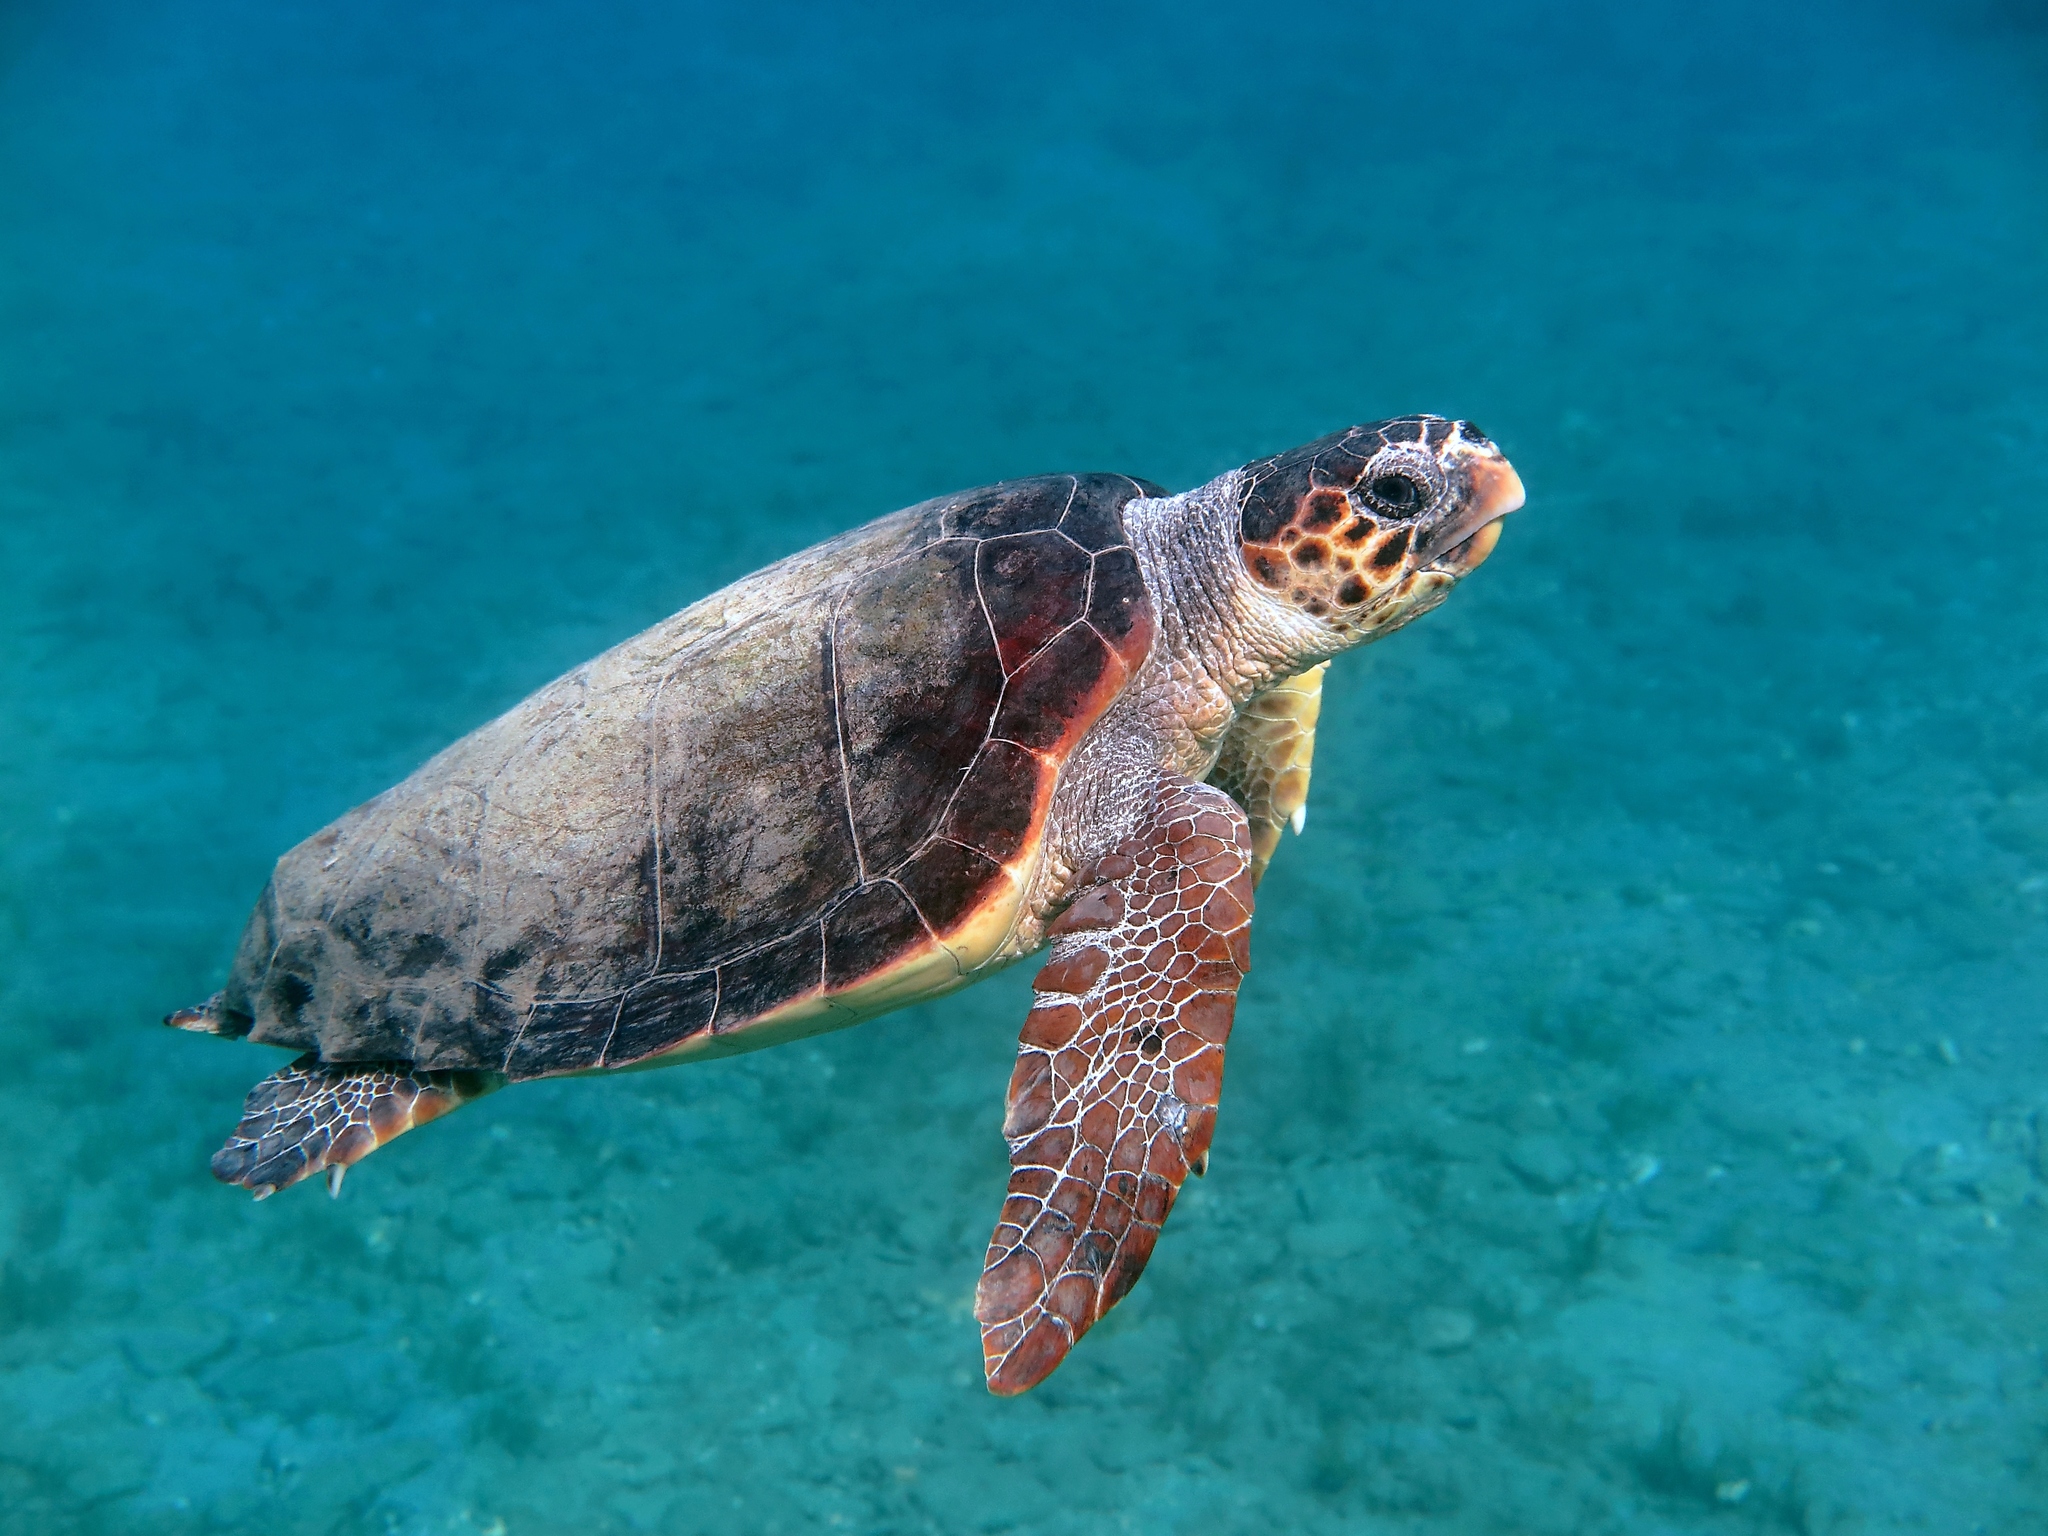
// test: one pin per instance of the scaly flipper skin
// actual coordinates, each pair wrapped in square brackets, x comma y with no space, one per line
[1264,765]
[1114,1095]
[310,1117]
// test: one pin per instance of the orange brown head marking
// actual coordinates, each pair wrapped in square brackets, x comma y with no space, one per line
[1370,527]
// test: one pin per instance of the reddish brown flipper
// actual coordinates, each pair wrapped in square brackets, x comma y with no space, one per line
[1114,1096]
[312,1116]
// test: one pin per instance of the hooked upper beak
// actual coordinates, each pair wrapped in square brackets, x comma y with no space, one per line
[1460,544]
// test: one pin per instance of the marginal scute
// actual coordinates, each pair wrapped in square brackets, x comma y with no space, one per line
[947,882]
[865,932]
[1118,609]
[1095,519]
[994,808]
[287,989]
[661,1011]
[567,1036]
[1052,691]
[770,976]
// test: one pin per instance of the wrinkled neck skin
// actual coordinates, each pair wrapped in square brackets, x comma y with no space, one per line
[1222,637]
[1221,640]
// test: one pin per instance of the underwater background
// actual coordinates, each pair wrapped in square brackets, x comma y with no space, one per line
[1637,1119]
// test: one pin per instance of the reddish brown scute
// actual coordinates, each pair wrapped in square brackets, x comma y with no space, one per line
[802,782]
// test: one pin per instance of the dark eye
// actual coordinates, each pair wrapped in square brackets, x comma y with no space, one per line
[1402,483]
[1399,493]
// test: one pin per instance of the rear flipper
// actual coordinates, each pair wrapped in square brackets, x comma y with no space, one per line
[313,1116]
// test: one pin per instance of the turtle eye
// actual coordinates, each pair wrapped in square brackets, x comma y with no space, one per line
[1396,492]
[1402,485]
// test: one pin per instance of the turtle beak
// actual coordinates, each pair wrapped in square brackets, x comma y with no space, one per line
[1461,543]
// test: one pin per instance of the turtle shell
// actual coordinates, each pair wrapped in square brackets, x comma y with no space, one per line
[807,799]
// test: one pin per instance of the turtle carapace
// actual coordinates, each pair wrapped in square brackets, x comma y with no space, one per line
[1072,711]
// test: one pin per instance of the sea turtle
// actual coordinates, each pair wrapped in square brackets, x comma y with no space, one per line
[1071,709]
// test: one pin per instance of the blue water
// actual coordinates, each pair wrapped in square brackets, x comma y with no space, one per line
[1638,1116]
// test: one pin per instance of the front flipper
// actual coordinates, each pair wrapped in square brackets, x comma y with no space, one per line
[1114,1095]
[1265,759]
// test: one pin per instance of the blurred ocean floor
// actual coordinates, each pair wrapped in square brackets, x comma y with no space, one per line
[1638,1116]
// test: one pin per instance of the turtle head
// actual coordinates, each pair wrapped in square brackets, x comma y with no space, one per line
[1372,527]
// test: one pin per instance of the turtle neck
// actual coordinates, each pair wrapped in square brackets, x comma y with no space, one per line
[1222,638]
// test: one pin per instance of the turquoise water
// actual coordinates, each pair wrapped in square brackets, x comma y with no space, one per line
[1638,1116]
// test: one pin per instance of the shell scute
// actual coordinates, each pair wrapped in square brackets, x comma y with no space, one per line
[947,882]
[917,674]
[1011,506]
[1118,608]
[1053,692]
[865,932]
[772,975]
[564,1037]
[998,802]
[658,1011]
[1033,585]
[735,770]
[1094,518]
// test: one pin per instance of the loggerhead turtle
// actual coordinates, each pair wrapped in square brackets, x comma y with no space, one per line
[1071,709]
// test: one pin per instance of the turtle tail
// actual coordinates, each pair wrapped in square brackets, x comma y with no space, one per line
[314,1115]
[210,1018]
